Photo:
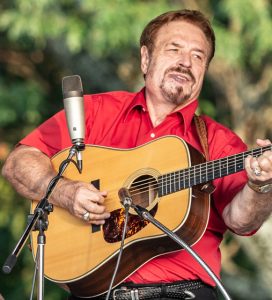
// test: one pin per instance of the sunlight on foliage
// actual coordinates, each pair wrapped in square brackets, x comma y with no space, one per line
[43,41]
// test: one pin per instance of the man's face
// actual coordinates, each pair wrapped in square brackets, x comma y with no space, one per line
[177,65]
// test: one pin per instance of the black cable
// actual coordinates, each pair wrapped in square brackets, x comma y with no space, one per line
[58,176]
[144,213]
[120,252]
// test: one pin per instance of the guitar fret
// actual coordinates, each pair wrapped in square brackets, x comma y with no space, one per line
[174,185]
[199,174]
[194,174]
[223,167]
[191,176]
[169,183]
[176,181]
[189,179]
[179,188]
[186,179]
[213,170]
[183,179]
[210,172]
[206,171]
[168,191]
[164,185]
[173,182]
[203,175]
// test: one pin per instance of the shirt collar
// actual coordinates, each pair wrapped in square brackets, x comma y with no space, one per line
[186,113]
[137,102]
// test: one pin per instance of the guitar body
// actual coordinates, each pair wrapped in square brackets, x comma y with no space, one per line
[82,257]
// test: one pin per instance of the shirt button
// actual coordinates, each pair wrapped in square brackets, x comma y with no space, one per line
[152,135]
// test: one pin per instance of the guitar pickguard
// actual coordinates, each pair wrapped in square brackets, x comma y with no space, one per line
[114,226]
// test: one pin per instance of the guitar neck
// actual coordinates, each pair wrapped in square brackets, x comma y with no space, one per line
[202,173]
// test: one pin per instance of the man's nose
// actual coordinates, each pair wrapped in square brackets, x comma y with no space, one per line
[185,60]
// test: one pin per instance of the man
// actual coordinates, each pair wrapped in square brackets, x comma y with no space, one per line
[176,49]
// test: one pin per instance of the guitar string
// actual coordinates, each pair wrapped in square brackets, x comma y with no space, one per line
[209,168]
[143,202]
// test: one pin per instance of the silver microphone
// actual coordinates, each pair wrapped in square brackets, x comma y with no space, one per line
[74,110]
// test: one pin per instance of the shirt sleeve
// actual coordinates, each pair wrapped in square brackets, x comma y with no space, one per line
[51,136]
[223,143]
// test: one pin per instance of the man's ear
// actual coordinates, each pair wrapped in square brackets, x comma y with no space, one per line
[144,59]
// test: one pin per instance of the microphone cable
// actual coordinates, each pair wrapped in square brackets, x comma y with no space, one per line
[120,252]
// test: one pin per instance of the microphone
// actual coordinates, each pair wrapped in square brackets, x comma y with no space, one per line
[74,110]
[125,197]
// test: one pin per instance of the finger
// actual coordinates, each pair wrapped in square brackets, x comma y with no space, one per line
[268,154]
[254,164]
[263,143]
[97,218]
[248,164]
[265,163]
[99,197]
[252,168]
[94,207]
[93,218]
[87,192]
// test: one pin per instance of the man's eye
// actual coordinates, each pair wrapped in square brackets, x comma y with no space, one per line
[199,57]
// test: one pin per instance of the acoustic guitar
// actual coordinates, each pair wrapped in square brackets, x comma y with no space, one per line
[166,176]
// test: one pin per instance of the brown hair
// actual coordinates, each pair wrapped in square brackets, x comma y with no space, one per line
[192,16]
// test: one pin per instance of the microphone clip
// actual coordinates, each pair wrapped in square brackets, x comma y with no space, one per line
[125,198]
[76,150]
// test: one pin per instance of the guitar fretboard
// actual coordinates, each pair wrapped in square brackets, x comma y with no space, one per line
[202,173]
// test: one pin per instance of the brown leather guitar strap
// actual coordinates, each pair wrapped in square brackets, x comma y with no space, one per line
[203,137]
[202,134]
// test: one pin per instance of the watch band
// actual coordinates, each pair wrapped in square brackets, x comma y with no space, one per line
[260,188]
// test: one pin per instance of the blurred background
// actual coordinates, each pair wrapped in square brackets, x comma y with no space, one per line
[41,41]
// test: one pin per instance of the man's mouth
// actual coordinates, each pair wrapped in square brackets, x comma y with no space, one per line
[181,78]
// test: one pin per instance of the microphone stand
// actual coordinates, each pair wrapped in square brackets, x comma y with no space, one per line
[144,213]
[39,221]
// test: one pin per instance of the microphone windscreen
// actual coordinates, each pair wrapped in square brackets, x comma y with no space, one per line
[72,86]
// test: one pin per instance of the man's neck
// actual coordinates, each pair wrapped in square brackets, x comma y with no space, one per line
[158,111]
[158,108]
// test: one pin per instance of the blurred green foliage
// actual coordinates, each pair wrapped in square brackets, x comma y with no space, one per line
[42,41]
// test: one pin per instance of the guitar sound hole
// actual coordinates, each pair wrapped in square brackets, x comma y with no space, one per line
[143,190]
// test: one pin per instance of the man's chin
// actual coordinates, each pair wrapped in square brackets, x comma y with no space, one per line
[176,96]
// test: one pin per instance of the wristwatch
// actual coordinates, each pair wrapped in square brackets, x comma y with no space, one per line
[263,189]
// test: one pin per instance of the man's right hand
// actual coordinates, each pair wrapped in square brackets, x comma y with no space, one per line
[83,199]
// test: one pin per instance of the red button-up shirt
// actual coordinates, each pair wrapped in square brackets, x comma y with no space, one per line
[121,120]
